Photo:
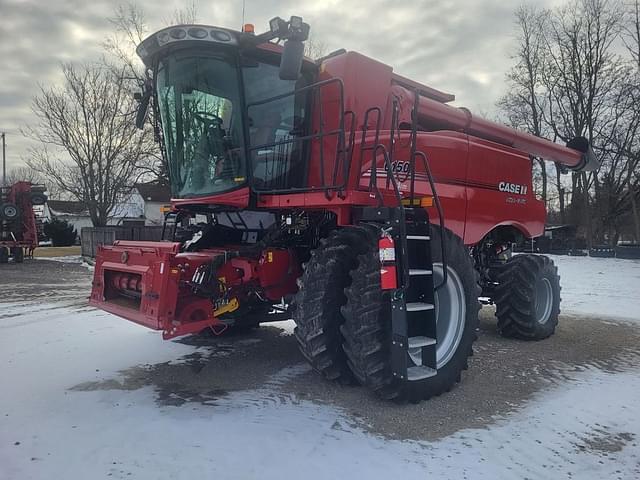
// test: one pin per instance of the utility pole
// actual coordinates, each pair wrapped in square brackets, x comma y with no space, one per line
[4,161]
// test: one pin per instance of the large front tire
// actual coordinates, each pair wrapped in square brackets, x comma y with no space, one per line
[367,328]
[317,304]
[527,297]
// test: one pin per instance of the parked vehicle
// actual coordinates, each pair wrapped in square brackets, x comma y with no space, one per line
[341,194]
[18,226]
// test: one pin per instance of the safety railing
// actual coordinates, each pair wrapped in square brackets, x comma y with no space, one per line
[410,175]
[279,174]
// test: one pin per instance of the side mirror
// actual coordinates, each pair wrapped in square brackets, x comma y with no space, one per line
[142,109]
[291,60]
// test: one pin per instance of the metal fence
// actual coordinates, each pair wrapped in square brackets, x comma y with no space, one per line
[92,237]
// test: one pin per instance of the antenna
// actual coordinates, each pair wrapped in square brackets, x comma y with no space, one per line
[4,160]
[243,2]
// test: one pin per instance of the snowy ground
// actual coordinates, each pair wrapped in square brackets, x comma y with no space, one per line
[87,395]
[606,287]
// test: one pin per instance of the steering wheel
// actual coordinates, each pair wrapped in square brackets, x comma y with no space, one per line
[208,118]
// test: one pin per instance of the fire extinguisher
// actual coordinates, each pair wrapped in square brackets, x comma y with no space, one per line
[388,270]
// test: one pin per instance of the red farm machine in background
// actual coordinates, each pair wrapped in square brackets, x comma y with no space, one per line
[339,194]
[18,227]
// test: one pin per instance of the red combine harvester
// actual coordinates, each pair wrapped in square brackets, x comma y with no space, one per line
[18,228]
[339,194]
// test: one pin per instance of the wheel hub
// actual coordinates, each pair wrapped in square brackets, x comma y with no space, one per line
[544,300]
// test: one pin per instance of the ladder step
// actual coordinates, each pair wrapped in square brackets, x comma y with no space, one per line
[418,237]
[417,342]
[418,306]
[420,373]
[419,271]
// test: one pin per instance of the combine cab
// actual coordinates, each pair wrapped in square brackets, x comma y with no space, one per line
[18,227]
[339,194]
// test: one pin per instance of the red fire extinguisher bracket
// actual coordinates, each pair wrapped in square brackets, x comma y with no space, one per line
[388,269]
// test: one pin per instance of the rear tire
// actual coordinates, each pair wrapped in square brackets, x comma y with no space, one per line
[318,301]
[9,212]
[4,255]
[367,328]
[527,297]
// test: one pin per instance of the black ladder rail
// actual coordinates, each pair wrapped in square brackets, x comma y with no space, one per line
[373,147]
[344,152]
[415,153]
[436,199]
[392,139]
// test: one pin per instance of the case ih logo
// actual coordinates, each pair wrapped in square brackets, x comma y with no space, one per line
[512,188]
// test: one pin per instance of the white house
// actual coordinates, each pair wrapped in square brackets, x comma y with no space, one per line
[152,198]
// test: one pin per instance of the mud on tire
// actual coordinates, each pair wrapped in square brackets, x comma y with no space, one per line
[316,309]
[367,327]
[527,297]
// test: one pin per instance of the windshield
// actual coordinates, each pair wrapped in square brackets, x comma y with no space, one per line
[203,120]
[199,103]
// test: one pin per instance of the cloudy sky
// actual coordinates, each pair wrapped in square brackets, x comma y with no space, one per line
[462,46]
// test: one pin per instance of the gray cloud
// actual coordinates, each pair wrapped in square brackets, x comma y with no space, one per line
[461,47]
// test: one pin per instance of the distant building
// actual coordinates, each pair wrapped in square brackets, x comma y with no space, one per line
[153,198]
[76,213]
[145,202]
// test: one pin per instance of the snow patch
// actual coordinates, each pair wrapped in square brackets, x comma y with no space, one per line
[602,287]
[49,431]
[287,326]
[64,259]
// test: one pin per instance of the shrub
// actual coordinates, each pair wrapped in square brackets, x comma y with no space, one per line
[61,233]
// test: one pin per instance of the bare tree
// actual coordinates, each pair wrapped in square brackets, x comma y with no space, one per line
[23,174]
[524,104]
[314,48]
[570,80]
[631,31]
[129,30]
[28,174]
[631,39]
[91,120]
[583,77]
[184,16]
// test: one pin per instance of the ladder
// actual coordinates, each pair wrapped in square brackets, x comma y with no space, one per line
[411,306]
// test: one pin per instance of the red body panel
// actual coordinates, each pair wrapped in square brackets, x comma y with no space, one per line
[149,283]
[483,183]
[468,170]
[155,263]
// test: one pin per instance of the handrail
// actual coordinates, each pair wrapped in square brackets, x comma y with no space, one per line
[403,225]
[341,154]
[436,198]
[427,168]
[373,147]
[346,165]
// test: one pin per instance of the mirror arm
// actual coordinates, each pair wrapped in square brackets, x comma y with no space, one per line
[143,97]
